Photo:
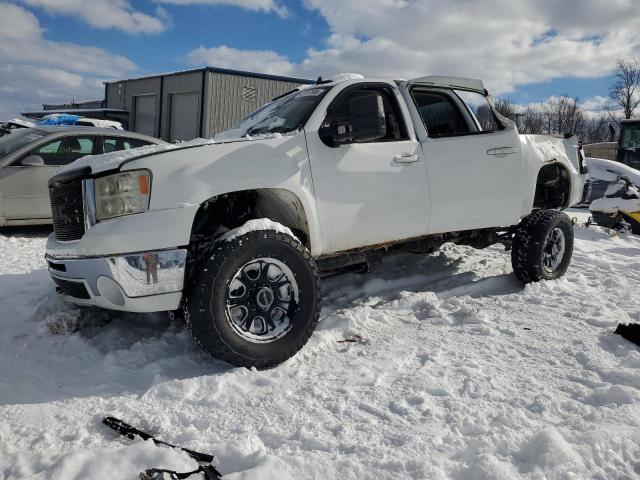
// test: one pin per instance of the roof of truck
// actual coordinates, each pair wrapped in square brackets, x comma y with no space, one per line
[451,82]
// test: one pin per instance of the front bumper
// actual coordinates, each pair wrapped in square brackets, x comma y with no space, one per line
[149,281]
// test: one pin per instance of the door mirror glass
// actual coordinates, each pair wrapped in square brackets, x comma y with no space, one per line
[32,161]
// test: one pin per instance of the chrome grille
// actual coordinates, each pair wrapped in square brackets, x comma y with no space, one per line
[67,209]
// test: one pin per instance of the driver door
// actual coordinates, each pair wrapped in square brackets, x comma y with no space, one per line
[368,192]
[25,191]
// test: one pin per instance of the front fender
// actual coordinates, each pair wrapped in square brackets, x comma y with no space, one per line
[189,177]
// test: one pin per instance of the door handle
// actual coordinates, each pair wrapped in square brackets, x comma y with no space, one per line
[406,158]
[502,151]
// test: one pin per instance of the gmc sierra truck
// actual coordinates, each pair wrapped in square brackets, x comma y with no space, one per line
[234,234]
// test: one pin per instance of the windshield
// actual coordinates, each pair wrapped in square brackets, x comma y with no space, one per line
[282,115]
[631,137]
[17,139]
[629,153]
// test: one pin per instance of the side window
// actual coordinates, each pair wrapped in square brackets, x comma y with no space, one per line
[479,106]
[440,115]
[340,111]
[64,151]
[114,144]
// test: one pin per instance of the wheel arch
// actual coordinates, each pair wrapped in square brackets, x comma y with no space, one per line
[232,209]
[553,187]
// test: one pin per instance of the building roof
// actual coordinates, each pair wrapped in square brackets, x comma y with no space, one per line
[83,112]
[225,71]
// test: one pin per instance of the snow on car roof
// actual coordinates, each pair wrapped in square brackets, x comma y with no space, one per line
[111,160]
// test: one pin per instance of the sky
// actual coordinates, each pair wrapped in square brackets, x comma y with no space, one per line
[53,51]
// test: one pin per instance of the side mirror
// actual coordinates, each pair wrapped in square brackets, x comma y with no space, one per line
[32,161]
[367,122]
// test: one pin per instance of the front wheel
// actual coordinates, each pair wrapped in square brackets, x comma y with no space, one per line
[256,301]
[542,246]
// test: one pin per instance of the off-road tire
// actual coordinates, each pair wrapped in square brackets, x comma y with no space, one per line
[204,311]
[529,242]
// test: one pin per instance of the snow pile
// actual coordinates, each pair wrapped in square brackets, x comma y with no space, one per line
[18,122]
[609,171]
[616,204]
[612,204]
[457,371]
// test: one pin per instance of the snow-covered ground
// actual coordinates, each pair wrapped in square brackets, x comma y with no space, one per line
[457,371]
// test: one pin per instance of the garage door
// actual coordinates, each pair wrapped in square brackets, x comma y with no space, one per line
[184,116]
[145,115]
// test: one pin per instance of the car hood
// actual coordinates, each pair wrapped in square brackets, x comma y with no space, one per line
[113,160]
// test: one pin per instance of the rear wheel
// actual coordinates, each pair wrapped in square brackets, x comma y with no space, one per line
[256,301]
[542,246]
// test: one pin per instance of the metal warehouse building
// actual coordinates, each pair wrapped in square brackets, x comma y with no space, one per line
[194,103]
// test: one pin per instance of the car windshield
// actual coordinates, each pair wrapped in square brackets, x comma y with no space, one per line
[282,115]
[17,139]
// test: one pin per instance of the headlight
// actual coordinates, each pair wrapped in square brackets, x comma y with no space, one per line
[122,194]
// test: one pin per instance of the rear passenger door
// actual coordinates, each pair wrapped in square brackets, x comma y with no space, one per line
[25,191]
[474,162]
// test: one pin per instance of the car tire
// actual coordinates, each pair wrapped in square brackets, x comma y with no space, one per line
[255,301]
[542,246]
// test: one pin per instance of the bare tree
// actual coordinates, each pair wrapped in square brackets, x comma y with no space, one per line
[528,120]
[531,121]
[557,115]
[625,90]
[596,129]
[563,115]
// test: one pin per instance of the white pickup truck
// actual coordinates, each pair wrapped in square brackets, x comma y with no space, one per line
[234,234]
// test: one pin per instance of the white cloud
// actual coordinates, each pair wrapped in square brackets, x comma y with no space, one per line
[504,42]
[264,61]
[253,5]
[595,104]
[105,14]
[35,70]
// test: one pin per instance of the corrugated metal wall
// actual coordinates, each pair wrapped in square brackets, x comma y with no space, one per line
[122,95]
[230,98]
[181,83]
